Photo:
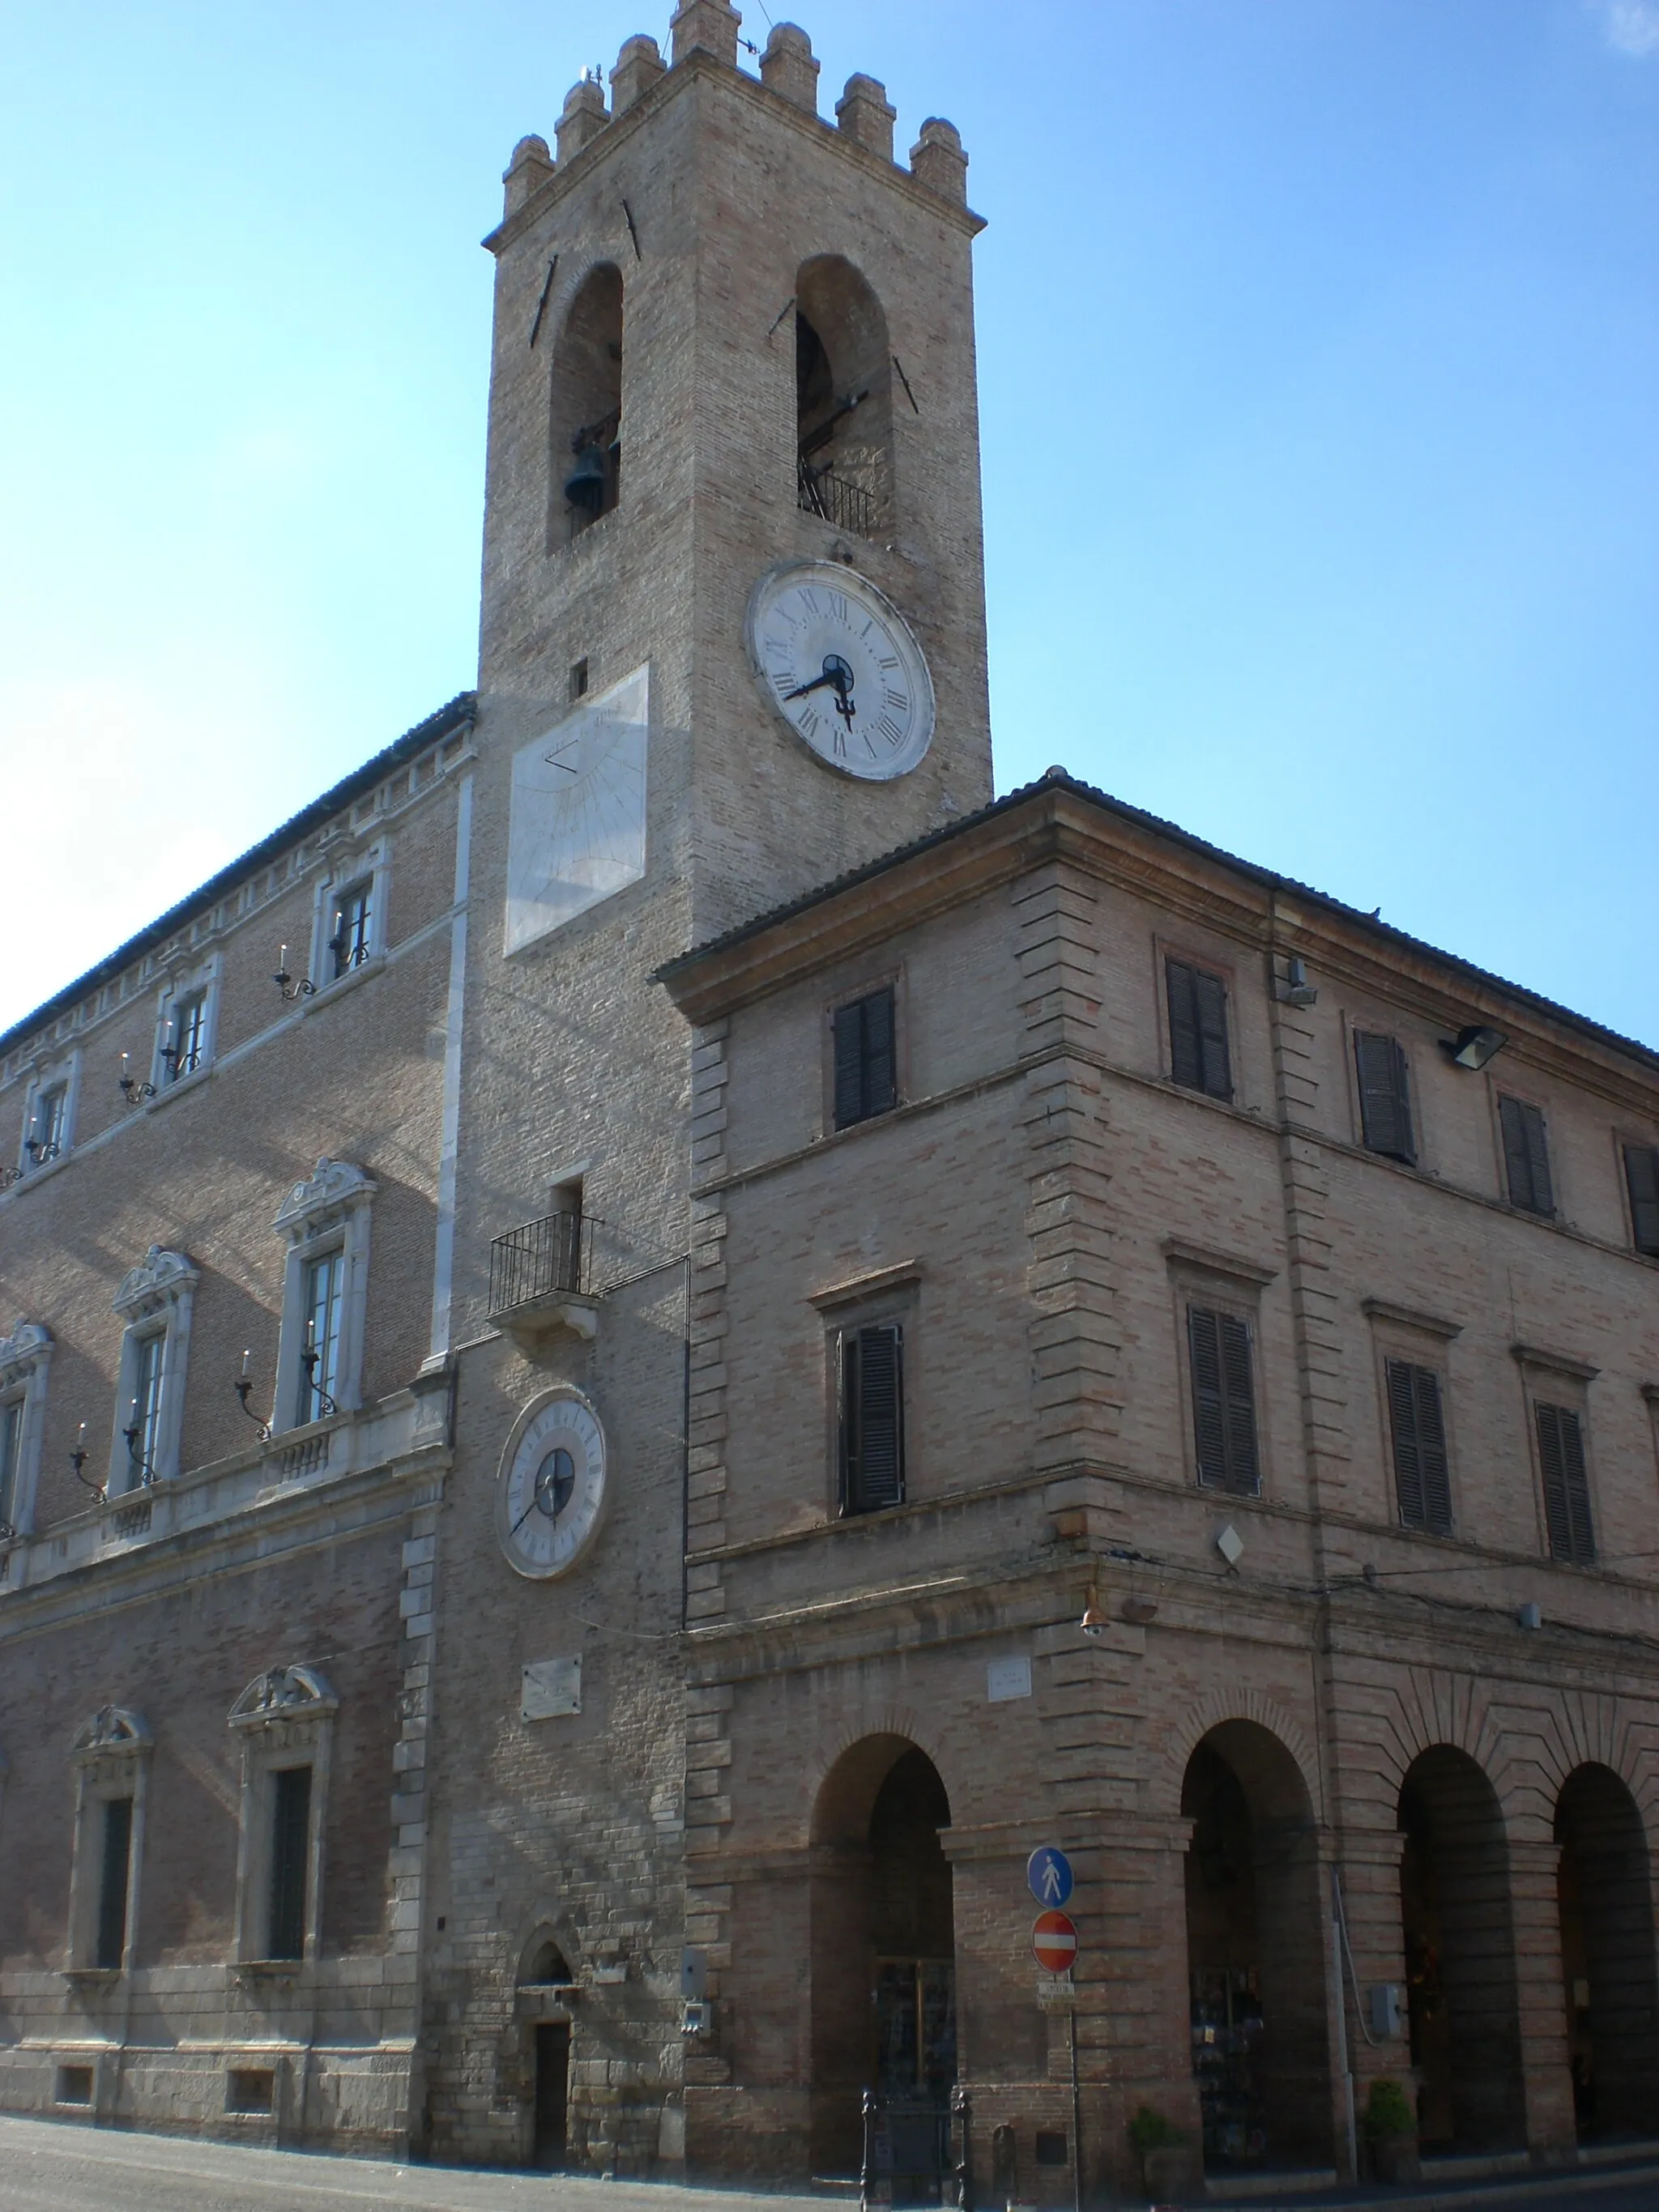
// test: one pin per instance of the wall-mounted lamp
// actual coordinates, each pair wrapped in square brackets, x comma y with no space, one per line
[78,1461]
[168,1054]
[310,1356]
[1473,1047]
[134,1430]
[1094,1622]
[132,1091]
[244,1385]
[304,989]
[1296,990]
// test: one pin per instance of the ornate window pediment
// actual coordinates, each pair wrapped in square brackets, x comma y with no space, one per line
[113,1731]
[336,1188]
[23,1351]
[285,1694]
[160,1280]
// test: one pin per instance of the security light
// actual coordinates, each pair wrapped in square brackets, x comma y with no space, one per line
[1094,1622]
[1473,1047]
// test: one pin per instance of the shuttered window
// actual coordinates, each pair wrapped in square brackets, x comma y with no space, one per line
[1223,1401]
[1642,1180]
[1525,1156]
[1198,1029]
[871,1417]
[1567,1488]
[865,1071]
[112,1883]
[291,1856]
[1385,1099]
[1421,1479]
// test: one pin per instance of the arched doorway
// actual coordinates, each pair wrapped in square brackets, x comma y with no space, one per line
[1460,1957]
[1256,1955]
[545,1972]
[1608,1956]
[884,1951]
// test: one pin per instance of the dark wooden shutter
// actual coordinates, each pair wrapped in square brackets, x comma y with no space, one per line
[1210,994]
[1185,1053]
[1642,1179]
[871,1418]
[1385,1110]
[1422,1476]
[1223,1403]
[1525,1156]
[865,1063]
[291,1854]
[113,1882]
[1567,1487]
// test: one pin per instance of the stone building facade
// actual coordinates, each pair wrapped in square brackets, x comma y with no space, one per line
[693,1338]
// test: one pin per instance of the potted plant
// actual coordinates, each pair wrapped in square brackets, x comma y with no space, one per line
[1168,2166]
[1390,2128]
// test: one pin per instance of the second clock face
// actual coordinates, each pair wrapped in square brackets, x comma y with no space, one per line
[839,662]
[551,1488]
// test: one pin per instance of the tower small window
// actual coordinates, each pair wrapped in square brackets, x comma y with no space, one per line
[866,1070]
[1199,1059]
[871,1377]
[290,1858]
[184,1040]
[114,1867]
[1385,1103]
[1526,1157]
[353,914]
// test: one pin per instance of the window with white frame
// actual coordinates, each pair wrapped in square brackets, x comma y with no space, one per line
[155,1300]
[25,1355]
[324,1224]
[349,927]
[48,1113]
[111,1763]
[185,1025]
[285,1720]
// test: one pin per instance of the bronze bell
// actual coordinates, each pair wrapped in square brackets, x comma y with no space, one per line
[585,486]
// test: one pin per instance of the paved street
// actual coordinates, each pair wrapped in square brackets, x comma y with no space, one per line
[50,2166]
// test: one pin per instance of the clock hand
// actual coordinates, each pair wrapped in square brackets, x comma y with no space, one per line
[830,675]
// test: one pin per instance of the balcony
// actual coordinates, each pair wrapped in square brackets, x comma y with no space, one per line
[539,1279]
[837,500]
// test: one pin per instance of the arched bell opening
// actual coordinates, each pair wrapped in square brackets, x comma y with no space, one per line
[585,422]
[843,397]
[1607,1966]
[1459,1940]
[883,1962]
[1256,1955]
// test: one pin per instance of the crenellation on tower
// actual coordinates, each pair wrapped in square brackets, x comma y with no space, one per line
[938,162]
[711,24]
[789,66]
[529,169]
[638,65]
[583,116]
[864,113]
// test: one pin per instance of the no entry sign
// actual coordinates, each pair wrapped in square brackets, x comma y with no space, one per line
[1053,1942]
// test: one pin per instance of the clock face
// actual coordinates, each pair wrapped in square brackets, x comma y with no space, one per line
[550,1492]
[577,831]
[838,662]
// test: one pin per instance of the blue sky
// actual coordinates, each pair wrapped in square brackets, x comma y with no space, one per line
[1319,344]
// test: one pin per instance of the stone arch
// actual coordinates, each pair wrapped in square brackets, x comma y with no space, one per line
[1583,1728]
[585,398]
[843,395]
[1433,1709]
[1256,1948]
[1458,1930]
[1219,1707]
[883,1927]
[1610,1976]
[897,1723]
[544,1957]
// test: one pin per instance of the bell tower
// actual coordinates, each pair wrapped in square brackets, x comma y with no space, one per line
[731,337]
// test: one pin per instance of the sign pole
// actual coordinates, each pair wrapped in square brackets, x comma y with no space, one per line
[1076,2120]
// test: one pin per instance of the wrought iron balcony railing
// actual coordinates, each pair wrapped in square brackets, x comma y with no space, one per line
[546,1259]
[847,504]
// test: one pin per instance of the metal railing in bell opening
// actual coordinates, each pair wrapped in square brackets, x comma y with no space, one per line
[838,500]
[917,2151]
[540,1259]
